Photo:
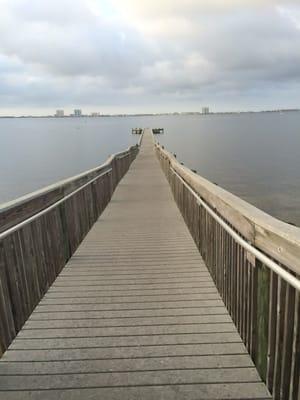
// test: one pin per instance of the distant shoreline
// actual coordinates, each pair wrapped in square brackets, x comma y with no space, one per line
[153,114]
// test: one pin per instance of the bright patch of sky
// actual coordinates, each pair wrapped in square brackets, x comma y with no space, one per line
[292,13]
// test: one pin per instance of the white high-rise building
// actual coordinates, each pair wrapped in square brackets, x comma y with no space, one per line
[205,110]
[59,113]
[77,112]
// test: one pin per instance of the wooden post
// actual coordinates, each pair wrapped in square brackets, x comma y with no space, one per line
[262,320]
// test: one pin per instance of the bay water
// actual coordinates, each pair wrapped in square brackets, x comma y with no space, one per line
[254,155]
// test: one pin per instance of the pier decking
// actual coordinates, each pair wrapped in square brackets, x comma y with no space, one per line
[134,314]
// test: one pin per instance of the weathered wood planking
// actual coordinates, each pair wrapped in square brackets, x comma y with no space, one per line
[33,255]
[264,308]
[134,314]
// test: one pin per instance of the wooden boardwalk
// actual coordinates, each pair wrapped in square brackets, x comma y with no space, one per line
[134,314]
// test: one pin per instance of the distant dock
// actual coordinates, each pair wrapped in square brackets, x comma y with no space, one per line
[139,131]
[136,131]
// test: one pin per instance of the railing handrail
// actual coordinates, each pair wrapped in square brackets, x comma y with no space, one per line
[276,238]
[33,217]
[289,278]
[37,193]
[141,138]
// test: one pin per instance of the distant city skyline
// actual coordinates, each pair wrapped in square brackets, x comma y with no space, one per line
[204,111]
[148,57]
[78,113]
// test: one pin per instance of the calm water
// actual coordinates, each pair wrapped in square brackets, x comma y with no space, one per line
[256,156]
[39,151]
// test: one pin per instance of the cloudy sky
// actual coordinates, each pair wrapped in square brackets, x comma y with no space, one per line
[148,55]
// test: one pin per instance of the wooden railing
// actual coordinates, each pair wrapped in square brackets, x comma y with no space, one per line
[254,260]
[40,232]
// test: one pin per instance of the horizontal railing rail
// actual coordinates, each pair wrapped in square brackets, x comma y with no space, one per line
[39,233]
[20,225]
[254,260]
[17,210]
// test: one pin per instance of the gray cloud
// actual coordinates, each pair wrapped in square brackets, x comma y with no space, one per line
[83,44]
[79,52]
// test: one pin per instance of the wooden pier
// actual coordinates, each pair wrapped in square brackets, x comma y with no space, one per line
[137,314]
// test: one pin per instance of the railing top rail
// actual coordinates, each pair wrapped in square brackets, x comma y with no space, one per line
[275,238]
[141,138]
[13,203]
[26,221]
